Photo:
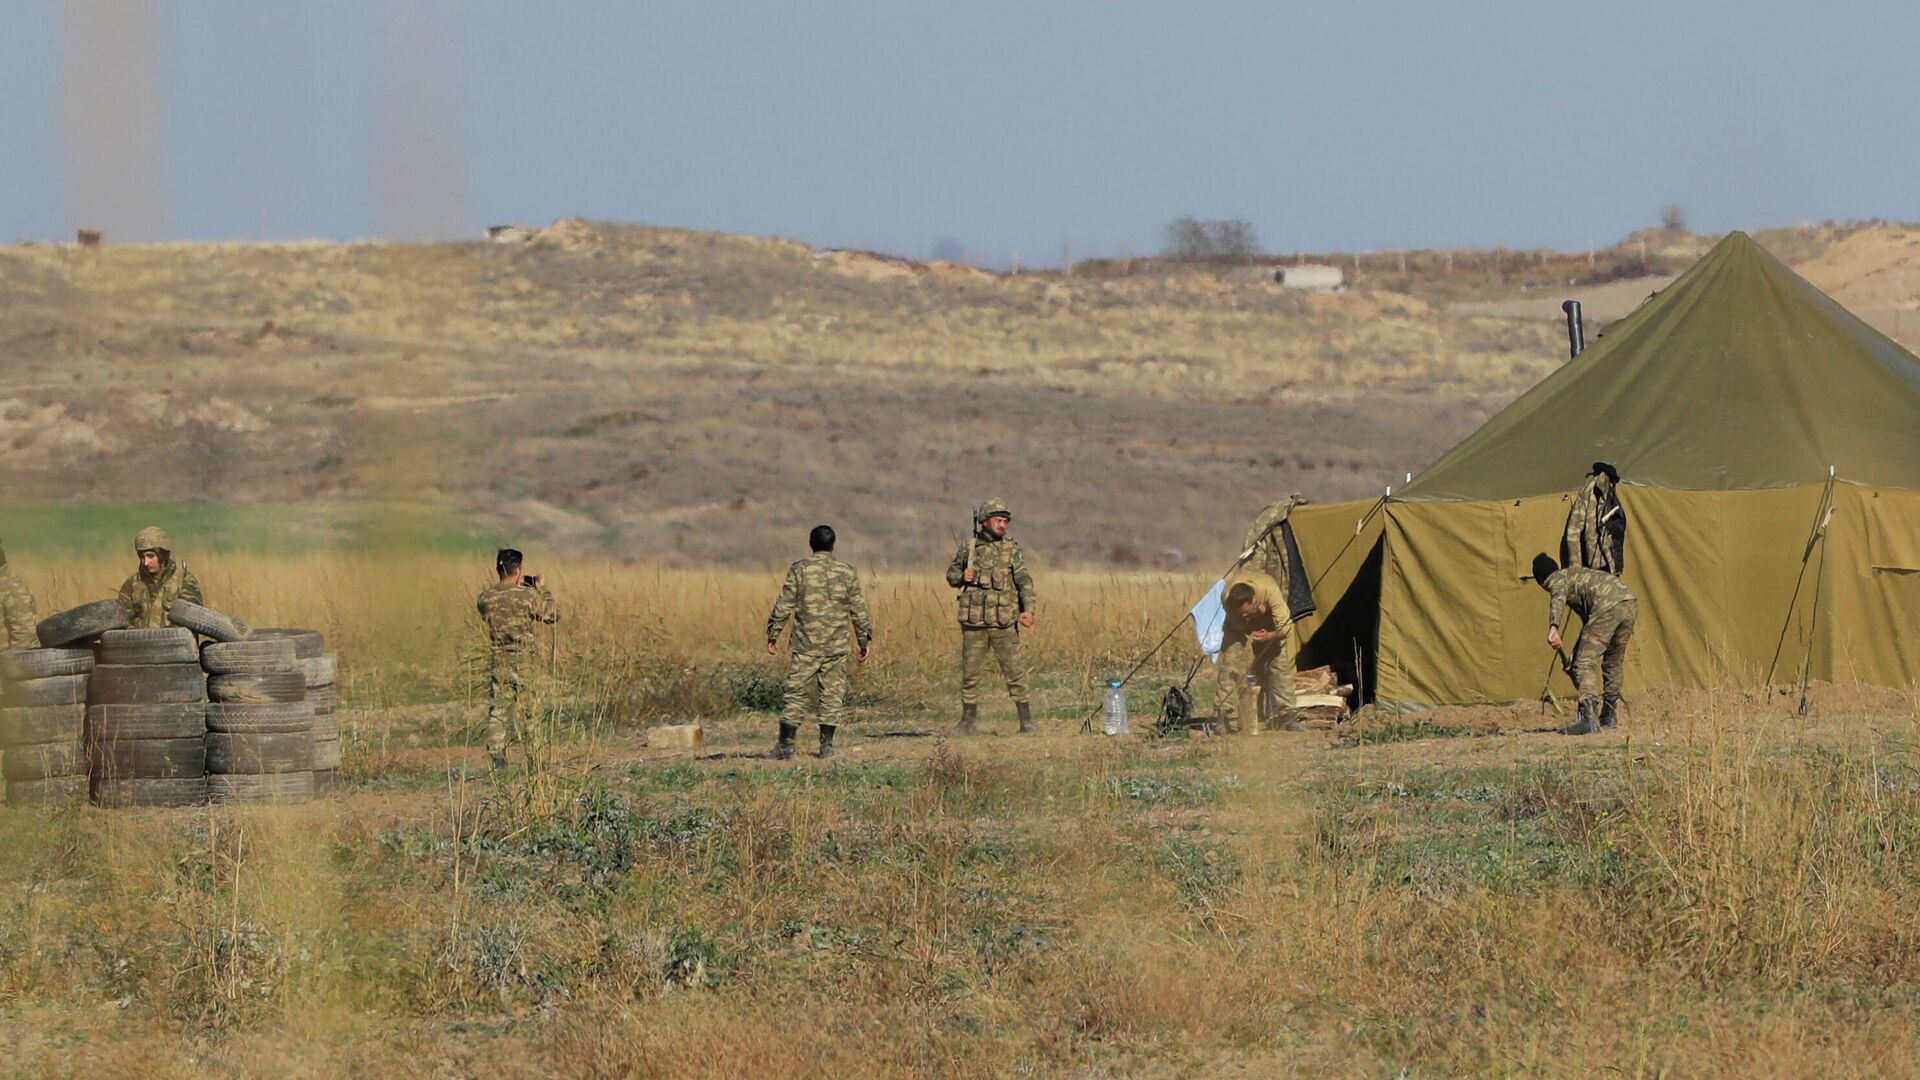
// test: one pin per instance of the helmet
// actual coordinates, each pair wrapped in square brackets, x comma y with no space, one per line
[992,508]
[152,538]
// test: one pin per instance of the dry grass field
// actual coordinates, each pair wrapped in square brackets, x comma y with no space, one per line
[1720,888]
[698,398]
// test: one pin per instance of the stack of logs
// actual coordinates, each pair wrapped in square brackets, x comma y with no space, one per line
[1322,699]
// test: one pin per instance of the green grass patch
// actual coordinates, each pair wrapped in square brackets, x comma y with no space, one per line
[86,529]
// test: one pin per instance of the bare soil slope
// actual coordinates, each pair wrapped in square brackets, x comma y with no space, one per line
[708,397]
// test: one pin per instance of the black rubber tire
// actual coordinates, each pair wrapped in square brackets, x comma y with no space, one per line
[81,624]
[320,670]
[161,645]
[205,620]
[21,664]
[42,723]
[52,690]
[324,699]
[307,644]
[326,754]
[325,780]
[264,657]
[287,787]
[326,726]
[235,718]
[146,684]
[279,686]
[277,752]
[59,791]
[111,723]
[148,759]
[45,761]
[136,791]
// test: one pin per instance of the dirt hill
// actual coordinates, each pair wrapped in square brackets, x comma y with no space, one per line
[702,397]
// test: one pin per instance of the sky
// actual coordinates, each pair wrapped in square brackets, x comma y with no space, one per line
[1028,129]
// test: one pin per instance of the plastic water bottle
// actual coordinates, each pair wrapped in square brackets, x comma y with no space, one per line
[1116,708]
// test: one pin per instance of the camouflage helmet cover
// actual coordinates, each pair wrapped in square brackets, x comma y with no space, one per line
[152,538]
[992,508]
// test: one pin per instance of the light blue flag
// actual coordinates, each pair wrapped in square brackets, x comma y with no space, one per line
[1210,620]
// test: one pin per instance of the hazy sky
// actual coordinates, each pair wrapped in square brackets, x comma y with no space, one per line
[1005,125]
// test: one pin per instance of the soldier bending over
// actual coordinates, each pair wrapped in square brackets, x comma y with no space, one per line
[1607,612]
[1255,643]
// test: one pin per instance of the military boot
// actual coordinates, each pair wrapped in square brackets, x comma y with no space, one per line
[1026,717]
[783,749]
[1285,720]
[826,741]
[1610,714]
[969,714]
[1588,722]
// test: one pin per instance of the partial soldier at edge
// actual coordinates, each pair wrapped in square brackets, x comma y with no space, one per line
[160,580]
[18,613]
[996,601]
[510,608]
[822,597]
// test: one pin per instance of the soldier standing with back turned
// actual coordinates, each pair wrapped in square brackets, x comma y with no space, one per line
[822,597]
[996,602]
[510,608]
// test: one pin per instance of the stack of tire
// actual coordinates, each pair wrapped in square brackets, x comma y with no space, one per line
[260,746]
[319,669]
[43,712]
[147,719]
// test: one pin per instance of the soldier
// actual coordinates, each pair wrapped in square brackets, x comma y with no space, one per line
[17,612]
[1254,642]
[1596,533]
[509,607]
[1607,612]
[996,603]
[158,583]
[821,596]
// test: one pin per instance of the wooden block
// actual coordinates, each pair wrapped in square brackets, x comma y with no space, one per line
[676,737]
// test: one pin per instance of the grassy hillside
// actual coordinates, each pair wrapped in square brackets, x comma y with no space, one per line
[700,397]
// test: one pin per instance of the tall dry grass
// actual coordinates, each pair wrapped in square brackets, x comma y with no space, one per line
[1728,892]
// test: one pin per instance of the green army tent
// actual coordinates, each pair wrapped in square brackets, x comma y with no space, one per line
[1724,401]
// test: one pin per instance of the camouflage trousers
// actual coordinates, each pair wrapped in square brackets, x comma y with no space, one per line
[816,689]
[1004,643]
[1600,656]
[1266,662]
[505,680]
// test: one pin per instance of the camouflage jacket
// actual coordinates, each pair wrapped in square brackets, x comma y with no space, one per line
[147,600]
[1267,549]
[17,612]
[1587,541]
[1001,588]
[510,611]
[1588,592]
[1267,591]
[822,596]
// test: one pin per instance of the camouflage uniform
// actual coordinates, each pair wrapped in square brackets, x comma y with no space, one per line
[1607,612]
[509,611]
[822,596]
[18,615]
[147,597]
[1266,547]
[1266,661]
[1586,542]
[990,606]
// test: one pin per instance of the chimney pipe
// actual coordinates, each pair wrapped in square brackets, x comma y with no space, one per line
[1576,331]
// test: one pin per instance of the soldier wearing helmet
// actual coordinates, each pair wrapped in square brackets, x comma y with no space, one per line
[996,602]
[158,583]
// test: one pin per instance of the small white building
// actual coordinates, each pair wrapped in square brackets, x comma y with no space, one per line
[1312,277]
